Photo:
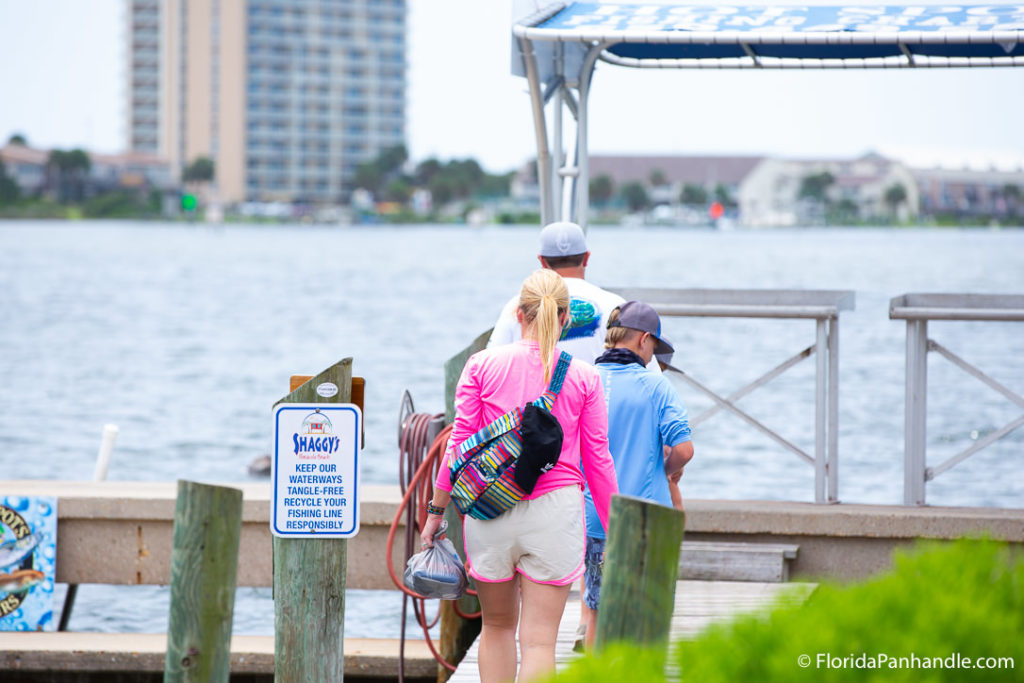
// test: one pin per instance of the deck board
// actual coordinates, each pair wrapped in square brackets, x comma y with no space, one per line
[697,605]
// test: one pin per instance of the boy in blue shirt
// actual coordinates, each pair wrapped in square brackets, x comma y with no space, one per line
[648,429]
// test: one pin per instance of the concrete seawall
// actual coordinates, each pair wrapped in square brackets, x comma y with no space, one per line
[120,532]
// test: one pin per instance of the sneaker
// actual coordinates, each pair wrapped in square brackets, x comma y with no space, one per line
[581,638]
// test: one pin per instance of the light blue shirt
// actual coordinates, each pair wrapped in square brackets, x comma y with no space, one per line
[644,413]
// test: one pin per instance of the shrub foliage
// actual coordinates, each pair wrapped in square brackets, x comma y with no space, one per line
[939,606]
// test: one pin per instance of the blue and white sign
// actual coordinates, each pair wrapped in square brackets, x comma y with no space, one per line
[315,470]
[28,561]
[612,17]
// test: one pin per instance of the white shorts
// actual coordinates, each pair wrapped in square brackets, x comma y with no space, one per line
[543,539]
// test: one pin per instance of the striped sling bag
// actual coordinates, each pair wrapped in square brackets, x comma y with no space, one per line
[483,474]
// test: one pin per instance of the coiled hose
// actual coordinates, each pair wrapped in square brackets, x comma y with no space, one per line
[419,461]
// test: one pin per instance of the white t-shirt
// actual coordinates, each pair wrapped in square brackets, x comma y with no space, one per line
[584,339]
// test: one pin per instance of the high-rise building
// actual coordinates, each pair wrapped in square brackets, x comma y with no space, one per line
[286,96]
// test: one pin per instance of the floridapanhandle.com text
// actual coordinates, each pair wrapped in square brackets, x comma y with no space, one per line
[881,660]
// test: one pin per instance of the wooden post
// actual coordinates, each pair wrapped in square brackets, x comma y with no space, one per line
[457,634]
[640,571]
[204,570]
[309,576]
[453,370]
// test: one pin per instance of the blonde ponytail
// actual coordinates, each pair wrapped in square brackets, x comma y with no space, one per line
[542,299]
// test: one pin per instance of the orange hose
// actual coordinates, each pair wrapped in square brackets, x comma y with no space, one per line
[416,427]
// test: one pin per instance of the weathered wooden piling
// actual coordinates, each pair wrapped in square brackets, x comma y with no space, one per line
[457,634]
[640,571]
[204,568]
[309,575]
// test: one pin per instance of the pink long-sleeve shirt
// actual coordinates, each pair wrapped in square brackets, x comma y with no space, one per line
[500,378]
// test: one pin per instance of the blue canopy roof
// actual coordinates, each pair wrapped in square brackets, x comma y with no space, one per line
[557,47]
[739,36]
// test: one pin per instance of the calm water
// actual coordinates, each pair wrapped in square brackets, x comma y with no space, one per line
[184,336]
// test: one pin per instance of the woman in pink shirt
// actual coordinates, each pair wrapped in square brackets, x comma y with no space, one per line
[525,560]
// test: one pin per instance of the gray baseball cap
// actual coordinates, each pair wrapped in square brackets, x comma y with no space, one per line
[562,239]
[637,315]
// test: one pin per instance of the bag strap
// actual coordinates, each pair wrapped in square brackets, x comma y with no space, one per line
[501,424]
[510,420]
[547,399]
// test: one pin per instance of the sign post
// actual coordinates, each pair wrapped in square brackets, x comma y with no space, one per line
[314,509]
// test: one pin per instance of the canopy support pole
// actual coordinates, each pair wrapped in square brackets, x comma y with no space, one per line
[544,174]
[581,186]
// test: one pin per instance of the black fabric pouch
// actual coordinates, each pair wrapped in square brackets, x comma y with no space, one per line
[541,446]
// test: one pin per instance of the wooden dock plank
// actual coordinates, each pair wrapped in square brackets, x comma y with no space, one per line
[698,604]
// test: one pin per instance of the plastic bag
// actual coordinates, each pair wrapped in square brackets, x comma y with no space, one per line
[437,572]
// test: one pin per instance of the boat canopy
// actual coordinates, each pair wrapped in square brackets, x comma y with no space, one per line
[560,44]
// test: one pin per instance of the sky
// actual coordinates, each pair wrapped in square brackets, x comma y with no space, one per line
[63,84]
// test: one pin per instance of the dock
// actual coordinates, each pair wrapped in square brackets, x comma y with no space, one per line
[698,604]
[132,522]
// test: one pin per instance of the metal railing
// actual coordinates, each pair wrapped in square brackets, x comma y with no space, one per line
[822,306]
[917,310]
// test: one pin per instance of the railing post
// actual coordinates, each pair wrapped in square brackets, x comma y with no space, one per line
[915,426]
[820,402]
[640,572]
[833,410]
[204,570]
[310,574]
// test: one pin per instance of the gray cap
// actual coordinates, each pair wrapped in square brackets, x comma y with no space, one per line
[637,315]
[562,239]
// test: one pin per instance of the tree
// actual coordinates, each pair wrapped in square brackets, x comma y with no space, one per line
[9,190]
[426,170]
[200,170]
[369,177]
[844,212]
[398,190]
[722,195]
[495,185]
[815,186]
[67,172]
[1014,195]
[635,196]
[601,189]
[392,158]
[658,178]
[693,195]
[17,139]
[895,195]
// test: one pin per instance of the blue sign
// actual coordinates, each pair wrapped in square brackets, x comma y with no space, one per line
[610,17]
[28,561]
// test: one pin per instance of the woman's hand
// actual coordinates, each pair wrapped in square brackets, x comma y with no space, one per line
[430,528]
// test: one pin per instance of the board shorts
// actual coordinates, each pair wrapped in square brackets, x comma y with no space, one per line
[541,538]
[592,575]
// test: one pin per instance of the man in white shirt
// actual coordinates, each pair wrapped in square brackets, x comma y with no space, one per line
[563,249]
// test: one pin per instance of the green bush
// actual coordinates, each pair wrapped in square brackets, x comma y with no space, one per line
[939,605]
